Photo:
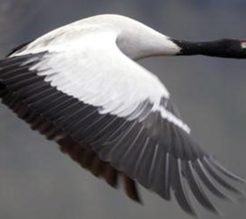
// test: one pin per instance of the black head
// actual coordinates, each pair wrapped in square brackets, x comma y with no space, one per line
[225,48]
[233,48]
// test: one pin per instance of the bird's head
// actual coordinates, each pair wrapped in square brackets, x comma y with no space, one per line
[231,48]
[224,48]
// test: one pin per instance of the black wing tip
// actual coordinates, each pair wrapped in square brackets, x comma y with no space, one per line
[221,180]
[197,188]
[179,188]
[225,171]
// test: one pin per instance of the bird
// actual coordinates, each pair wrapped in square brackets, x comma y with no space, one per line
[81,85]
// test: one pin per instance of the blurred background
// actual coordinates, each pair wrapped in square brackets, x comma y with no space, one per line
[37,181]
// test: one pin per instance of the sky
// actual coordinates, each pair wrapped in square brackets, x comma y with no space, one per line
[37,181]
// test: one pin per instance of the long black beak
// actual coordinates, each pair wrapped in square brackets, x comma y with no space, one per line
[224,48]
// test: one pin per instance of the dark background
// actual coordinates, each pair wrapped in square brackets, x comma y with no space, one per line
[37,181]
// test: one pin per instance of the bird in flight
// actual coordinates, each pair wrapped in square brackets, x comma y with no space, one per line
[81,86]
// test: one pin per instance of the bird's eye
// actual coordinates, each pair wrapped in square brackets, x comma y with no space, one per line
[243,44]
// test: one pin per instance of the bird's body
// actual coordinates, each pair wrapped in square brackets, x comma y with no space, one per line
[81,86]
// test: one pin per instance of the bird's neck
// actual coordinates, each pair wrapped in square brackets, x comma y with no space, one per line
[219,48]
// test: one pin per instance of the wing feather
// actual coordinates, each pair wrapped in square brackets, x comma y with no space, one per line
[196,187]
[179,188]
[228,173]
[219,179]
[206,178]
[143,172]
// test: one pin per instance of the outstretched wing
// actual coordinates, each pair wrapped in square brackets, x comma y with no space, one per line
[89,94]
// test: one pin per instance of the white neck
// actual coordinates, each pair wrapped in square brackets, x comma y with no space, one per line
[138,41]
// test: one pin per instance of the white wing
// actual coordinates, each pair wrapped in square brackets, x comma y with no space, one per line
[106,77]
[89,91]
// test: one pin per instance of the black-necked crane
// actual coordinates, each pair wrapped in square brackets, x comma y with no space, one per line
[81,86]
